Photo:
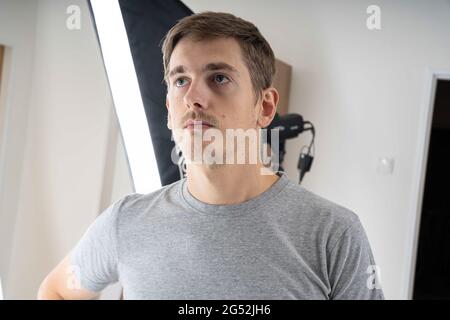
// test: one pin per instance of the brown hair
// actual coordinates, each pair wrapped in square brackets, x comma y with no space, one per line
[256,51]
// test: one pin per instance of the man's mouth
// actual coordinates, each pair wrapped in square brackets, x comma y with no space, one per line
[193,124]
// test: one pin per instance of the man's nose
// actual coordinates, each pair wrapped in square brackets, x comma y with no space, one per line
[196,96]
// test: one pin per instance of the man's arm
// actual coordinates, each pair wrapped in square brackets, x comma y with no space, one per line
[351,267]
[90,266]
[62,283]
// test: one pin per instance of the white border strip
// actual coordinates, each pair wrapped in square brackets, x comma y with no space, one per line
[126,95]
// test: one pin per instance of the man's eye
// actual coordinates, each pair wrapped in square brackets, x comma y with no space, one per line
[219,78]
[177,82]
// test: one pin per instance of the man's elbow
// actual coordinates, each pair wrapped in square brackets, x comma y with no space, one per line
[48,292]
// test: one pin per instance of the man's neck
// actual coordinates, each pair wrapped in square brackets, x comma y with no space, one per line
[228,184]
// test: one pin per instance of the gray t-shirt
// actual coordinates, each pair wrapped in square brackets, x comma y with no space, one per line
[286,243]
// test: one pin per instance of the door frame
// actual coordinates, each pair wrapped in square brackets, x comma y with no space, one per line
[418,185]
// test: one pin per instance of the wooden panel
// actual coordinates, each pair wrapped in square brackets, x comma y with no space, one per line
[282,82]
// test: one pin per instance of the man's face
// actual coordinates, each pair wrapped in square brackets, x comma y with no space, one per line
[212,83]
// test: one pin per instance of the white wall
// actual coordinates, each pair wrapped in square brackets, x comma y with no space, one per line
[17,25]
[364,91]
[70,136]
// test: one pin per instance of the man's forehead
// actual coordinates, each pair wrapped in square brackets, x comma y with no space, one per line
[206,55]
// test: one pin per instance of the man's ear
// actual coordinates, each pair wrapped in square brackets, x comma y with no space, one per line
[168,114]
[268,108]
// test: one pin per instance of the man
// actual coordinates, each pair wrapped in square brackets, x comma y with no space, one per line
[230,230]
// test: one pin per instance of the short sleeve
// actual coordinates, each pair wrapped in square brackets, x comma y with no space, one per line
[94,259]
[353,273]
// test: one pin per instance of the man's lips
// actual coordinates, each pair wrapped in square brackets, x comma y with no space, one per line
[194,123]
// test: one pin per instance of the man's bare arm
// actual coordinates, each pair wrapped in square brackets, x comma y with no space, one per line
[62,284]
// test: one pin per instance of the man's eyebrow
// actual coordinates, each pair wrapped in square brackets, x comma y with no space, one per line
[209,67]
[176,70]
[219,66]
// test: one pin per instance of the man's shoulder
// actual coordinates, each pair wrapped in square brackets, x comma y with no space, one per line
[319,216]
[136,202]
[319,208]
